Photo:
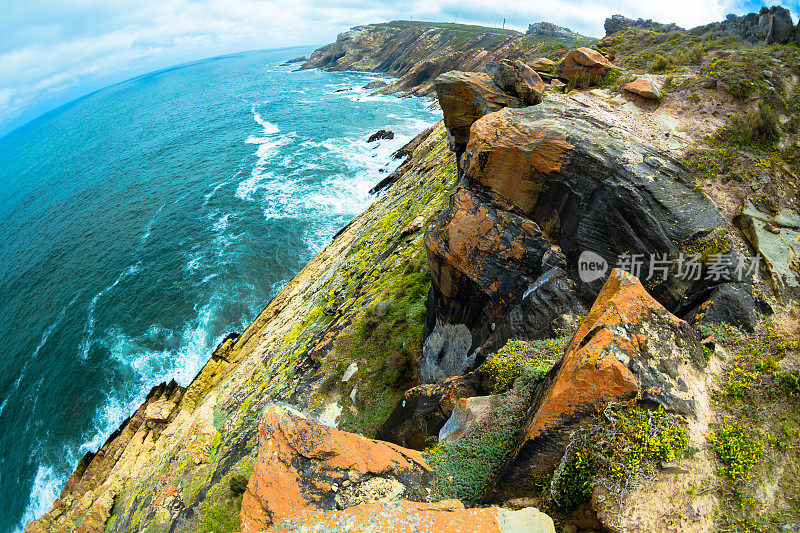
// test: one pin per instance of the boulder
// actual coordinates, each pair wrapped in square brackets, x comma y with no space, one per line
[628,346]
[380,135]
[469,414]
[446,515]
[465,97]
[517,79]
[309,477]
[547,304]
[423,410]
[542,64]
[482,258]
[562,168]
[583,64]
[303,465]
[775,238]
[645,88]
[445,353]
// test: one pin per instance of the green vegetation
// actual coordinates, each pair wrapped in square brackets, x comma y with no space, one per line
[465,467]
[522,359]
[627,441]
[446,25]
[757,443]
[737,450]
[717,242]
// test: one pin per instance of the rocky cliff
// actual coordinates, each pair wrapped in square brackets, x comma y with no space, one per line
[549,316]
[416,53]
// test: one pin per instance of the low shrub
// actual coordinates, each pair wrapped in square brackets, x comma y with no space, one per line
[737,450]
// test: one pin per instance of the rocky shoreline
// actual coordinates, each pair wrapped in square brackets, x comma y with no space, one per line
[513,388]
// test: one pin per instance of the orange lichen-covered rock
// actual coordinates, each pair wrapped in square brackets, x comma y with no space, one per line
[644,88]
[465,97]
[444,516]
[513,155]
[628,346]
[517,79]
[303,465]
[481,259]
[542,64]
[583,62]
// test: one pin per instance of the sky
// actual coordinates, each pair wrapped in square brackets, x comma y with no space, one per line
[53,51]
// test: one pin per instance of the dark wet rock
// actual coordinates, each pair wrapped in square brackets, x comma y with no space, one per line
[423,410]
[546,305]
[380,135]
[482,258]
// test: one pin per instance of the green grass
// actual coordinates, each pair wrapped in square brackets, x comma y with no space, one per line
[625,443]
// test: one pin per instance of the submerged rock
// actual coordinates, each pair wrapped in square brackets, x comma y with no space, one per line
[380,135]
[628,346]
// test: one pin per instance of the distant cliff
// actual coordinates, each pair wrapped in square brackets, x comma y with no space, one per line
[417,52]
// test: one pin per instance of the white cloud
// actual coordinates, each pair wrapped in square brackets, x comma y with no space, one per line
[51,47]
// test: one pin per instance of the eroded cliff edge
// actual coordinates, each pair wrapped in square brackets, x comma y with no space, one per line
[516,386]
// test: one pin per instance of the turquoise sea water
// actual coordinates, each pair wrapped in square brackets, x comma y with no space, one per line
[141,224]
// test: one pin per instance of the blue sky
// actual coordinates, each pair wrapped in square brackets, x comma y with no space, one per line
[52,51]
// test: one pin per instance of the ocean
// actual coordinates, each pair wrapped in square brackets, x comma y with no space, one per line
[140,224]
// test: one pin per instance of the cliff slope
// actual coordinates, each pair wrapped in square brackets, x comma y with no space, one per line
[417,52]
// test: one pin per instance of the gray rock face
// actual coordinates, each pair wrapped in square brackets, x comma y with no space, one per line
[606,194]
[517,79]
[775,238]
[620,23]
[445,353]
[543,307]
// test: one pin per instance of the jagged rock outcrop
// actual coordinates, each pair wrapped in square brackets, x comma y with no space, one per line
[770,25]
[620,23]
[548,29]
[583,65]
[465,97]
[629,346]
[309,477]
[424,409]
[517,79]
[559,166]
[415,53]
[88,495]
